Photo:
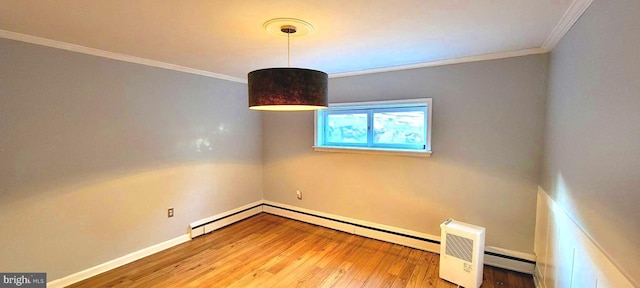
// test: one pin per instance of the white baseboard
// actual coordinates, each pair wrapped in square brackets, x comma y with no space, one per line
[204,226]
[498,257]
[126,259]
[418,240]
[536,278]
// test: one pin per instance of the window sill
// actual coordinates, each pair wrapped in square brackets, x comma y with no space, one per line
[379,151]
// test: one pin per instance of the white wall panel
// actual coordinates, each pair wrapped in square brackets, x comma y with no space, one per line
[567,258]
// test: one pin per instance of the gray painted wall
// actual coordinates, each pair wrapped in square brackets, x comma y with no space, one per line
[93,152]
[488,123]
[592,149]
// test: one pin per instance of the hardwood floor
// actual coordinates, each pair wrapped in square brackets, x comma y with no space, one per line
[271,251]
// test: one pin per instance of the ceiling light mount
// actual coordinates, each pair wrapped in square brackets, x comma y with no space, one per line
[289,29]
[275,27]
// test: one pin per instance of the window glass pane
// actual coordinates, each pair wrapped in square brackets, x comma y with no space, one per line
[399,128]
[346,128]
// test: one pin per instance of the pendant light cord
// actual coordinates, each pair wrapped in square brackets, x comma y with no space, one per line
[289,29]
[288,50]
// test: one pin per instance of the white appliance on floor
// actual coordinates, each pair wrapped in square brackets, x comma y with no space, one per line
[462,253]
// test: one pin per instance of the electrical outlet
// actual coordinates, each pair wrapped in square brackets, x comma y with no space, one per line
[299,194]
[170,212]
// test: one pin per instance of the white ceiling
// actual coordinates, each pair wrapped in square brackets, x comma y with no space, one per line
[227,38]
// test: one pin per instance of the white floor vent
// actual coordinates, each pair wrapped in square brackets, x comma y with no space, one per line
[462,253]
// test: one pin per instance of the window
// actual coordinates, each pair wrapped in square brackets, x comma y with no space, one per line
[385,127]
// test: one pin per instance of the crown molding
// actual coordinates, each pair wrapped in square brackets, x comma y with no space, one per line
[153,63]
[112,55]
[570,17]
[573,13]
[451,61]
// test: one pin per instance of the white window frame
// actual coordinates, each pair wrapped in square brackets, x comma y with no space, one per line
[421,102]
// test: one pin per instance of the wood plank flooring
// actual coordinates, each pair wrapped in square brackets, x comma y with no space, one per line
[271,251]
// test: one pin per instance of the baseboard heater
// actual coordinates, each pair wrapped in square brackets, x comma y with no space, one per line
[216,222]
[431,245]
[491,258]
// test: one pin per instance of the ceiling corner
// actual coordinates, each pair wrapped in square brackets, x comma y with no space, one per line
[570,17]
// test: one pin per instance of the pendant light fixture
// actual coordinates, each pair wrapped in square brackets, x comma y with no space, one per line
[287,89]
